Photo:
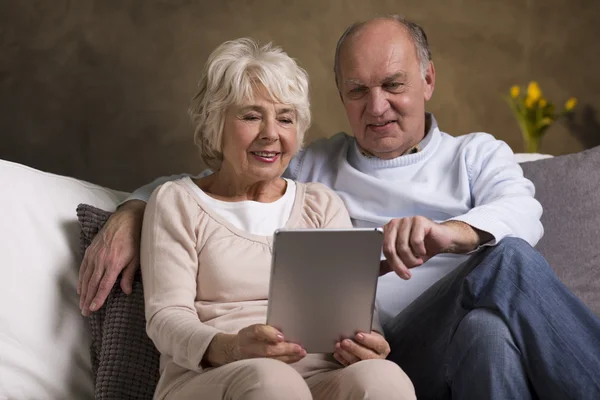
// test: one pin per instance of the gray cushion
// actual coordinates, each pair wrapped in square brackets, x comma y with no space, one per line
[124,360]
[569,189]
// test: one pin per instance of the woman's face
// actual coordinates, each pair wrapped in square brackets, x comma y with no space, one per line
[259,138]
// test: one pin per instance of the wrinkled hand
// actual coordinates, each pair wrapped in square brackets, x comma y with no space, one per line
[409,242]
[115,249]
[365,346]
[265,341]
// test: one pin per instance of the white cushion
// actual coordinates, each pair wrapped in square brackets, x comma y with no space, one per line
[525,157]
[44,340]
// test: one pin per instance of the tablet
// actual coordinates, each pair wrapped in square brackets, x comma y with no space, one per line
[323,284]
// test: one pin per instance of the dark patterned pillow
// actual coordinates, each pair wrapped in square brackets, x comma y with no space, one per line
[124,360]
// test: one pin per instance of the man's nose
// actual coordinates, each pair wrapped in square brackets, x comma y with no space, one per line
[377,102]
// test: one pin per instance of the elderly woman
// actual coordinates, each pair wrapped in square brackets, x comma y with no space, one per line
[206,248]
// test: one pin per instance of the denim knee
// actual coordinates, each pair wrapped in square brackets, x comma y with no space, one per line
[481,323]
[516,245]
[522,256]
[484,361]
[483,336]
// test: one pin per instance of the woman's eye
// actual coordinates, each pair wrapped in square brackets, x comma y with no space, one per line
[251,118]
[287,120]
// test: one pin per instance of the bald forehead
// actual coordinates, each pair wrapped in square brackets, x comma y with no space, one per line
[376,32]
[384,41]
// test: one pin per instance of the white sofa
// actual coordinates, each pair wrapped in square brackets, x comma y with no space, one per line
[44,340]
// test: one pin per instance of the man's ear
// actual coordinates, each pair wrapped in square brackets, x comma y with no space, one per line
[429,81]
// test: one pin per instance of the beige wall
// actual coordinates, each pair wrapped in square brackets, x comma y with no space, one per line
[99,89]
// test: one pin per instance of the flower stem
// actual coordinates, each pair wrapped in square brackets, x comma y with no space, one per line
[532,143]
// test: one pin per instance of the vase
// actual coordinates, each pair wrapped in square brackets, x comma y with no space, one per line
[532,143]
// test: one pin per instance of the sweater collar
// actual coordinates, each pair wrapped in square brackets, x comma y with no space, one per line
[425,147]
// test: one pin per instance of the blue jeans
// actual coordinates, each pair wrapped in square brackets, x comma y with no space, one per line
[500,326]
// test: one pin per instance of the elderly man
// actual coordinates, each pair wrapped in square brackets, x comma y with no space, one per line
[471,310]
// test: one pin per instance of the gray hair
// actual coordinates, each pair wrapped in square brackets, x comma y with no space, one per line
[230,77]
[415,31]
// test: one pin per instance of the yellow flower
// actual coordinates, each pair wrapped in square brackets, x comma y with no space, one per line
[570,104]
[515,91]
[529,102]
[546,121]
[533,91]
[543,103]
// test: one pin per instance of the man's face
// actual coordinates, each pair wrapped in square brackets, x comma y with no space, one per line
[383,90]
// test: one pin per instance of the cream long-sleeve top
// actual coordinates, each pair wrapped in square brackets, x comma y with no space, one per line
[203,275]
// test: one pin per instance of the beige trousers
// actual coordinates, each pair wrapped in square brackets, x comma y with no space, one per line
[266,379]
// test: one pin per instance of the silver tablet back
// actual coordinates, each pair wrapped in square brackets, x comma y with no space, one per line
[323,284]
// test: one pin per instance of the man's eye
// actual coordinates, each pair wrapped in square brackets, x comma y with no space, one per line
[392,85]
[357,92]
[287,120]
[251,117]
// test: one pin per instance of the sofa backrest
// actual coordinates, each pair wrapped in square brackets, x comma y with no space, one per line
[568,187]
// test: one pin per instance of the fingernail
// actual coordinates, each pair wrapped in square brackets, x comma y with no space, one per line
[360,336]
[280,337]
[93,306]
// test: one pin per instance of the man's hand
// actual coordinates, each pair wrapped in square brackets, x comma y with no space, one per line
[364,346]
[409,242]
[254,341]
[115,248]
